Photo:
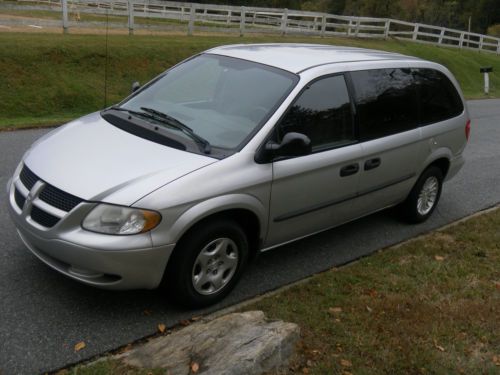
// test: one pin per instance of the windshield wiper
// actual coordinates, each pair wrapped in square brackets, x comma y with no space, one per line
[151,113]
[173,122]
[126,110]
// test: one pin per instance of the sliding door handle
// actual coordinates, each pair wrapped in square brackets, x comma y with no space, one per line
[372,163]
[349,170]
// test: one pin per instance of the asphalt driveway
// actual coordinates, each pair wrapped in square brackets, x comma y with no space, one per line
[43,314]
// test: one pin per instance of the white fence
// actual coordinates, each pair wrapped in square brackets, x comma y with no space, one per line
[243,20]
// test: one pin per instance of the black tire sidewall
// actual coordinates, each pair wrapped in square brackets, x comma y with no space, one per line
[409,207]
[179,272]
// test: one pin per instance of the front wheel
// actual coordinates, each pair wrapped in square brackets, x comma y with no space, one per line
[207,263]
[424,196]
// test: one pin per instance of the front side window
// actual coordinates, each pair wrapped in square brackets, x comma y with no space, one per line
[323,113]
[221,99]
[386,101]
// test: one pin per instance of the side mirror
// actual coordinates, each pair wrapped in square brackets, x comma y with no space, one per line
[135,86]
[292,144]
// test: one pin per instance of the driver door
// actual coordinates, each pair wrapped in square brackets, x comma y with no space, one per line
[314,192]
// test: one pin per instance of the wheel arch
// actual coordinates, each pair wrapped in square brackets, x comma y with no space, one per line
[246,210]
[440,158]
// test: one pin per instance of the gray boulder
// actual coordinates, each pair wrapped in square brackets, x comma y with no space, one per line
[235,344]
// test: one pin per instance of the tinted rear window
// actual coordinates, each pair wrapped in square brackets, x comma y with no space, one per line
[439,100]
[391,101]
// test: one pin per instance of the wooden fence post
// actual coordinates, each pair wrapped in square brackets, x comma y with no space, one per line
[415,32]
[387,28]
[441,35]
[192,12]
[229,13]
[356,31]
[242,21]
[461,41]
[284,21]
[480,43]
[323,26]
[130,7]
[64,4]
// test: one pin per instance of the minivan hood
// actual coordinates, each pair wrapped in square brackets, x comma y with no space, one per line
[96,161]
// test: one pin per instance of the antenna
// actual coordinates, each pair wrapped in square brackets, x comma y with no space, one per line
[106,63]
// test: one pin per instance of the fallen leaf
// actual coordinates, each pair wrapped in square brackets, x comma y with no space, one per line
[194,367]
[125,349]
[496,360]
[345,363]
[185,322]
[438,347]
[79,346]
[335,310]
[147,312]
[439,258]
[373,293]
[195,318]
[161,327]
[309,363]
[497,284]
[369,309]
[305,370]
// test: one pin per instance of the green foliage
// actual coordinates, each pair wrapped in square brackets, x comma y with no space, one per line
[494,30]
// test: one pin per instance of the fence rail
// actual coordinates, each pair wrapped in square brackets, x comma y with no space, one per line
[243,20]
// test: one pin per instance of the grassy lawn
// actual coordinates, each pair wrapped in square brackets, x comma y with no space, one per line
[44,77]
[428,306]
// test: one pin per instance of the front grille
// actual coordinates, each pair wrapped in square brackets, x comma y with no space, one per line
[49,194]
[58,198]
[43,218]
[28,178]
[20,199]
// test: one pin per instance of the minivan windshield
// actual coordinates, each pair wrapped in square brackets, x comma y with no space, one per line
[223,100]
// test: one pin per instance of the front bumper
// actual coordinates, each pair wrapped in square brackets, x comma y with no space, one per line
[104,261]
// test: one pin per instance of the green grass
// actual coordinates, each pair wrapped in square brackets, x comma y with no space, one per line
[431,306]
[50,76]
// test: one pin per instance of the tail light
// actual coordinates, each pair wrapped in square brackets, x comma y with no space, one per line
[467,129]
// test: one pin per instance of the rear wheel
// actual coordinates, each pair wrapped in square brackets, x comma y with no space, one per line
[424,196]
[207,263]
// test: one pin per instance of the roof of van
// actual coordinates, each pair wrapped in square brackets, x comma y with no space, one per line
[298,57]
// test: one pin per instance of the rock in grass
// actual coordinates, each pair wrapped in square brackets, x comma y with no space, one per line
[240,343]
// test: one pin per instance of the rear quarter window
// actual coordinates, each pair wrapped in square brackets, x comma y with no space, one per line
[439,99]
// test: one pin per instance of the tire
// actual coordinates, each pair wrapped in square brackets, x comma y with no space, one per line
[207,263]
[424,197]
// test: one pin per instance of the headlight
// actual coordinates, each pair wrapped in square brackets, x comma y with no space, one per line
[109,219]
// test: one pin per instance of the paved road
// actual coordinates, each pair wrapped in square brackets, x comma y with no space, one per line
[43,314]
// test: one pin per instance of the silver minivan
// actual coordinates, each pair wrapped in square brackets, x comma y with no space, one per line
[234,151]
